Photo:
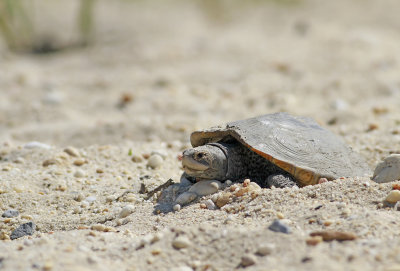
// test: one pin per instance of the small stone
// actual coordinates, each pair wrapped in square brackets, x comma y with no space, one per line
[185,198]
[98,227]
[79,173]
[90,199]
[19,160]
[181,242]
[388,170]
[10,213]
[47,266]
[79,162]
[137,158]
[99,170]
[334,235]
[210,204]
[155,161]
[204,188]
[127,210]
[72,151]
[265,249]
[203,206]
[313,241]
[280,215]
[278,226]
[177,207]
[228,182]
[50,162]
[393,196]
[22,230]
[161,153]
[181,268]
[38,145]
[248,260]
[223,199]
[395,267]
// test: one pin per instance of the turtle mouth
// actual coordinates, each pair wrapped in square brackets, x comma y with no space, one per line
[191,165]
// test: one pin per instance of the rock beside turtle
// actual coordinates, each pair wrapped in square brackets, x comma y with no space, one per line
[278,150]
[388,170]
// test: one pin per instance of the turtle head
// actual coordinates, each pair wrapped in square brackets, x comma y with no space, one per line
[208,162]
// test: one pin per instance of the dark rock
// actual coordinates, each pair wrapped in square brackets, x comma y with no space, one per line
[10,213]
[22,230]
[278,226]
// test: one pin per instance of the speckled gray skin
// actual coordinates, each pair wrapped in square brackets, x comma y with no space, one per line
[233,161]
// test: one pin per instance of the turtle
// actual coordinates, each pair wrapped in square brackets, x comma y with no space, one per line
[277,150]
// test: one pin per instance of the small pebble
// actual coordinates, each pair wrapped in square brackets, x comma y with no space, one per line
[265,249]
[313,241]
[155,161]
[22,230]
[137,158]
[161,153]
[35,144]
[280,215]
[79,173]
[185,198]
[223,199]
[79,162]
[177,207]
[90,199]
[98,227]
[204,188]
[19,160]
[50,162]
[72,151]
[334,235]
[278,226]
[393,196]
[127,210]
[388,170]
[210,204]
[10,213]
[248,260]
[181,242]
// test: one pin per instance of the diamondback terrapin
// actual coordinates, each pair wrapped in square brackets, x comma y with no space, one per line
[273,150]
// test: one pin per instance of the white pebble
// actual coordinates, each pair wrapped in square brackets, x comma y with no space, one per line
[248,259]
[35,144]
[265,249]
[72,151]
[127,210]
[210,204]
[393,196]
[155,161]
[185,198]
[204,188]
[388,170]
[181,242]
[181,268]
[90,199]
[228,182]
[79,173]
[177,207]
[161,153]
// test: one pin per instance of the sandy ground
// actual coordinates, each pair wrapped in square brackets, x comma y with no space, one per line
[161,70]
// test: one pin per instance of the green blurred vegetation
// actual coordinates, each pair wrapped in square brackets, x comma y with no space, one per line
[17,27]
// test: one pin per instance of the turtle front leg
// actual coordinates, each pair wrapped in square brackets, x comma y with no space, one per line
[280,181]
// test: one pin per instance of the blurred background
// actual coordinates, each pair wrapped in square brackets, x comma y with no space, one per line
[83,72]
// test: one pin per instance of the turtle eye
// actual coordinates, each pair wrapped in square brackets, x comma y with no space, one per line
[199,155]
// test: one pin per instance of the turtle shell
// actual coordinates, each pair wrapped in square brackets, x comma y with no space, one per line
[298,145]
